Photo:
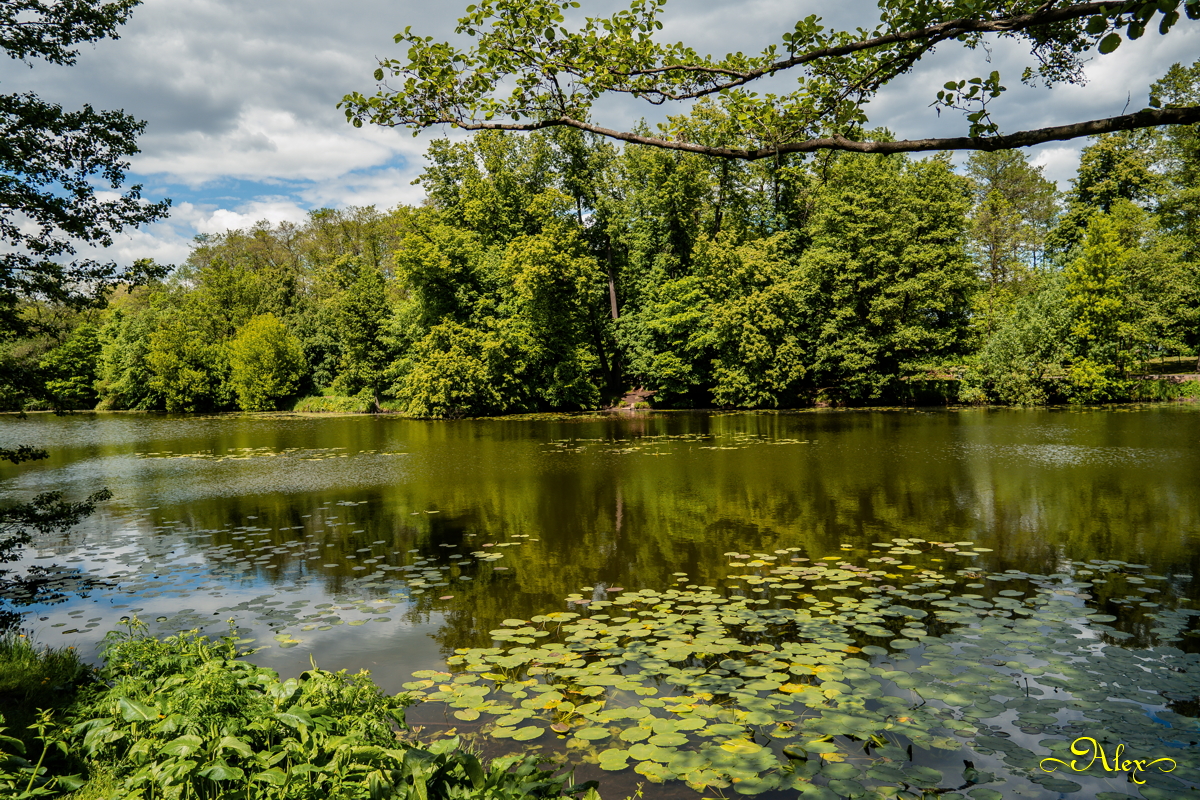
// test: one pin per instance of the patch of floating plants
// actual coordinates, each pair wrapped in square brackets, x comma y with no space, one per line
[243,453]
[842,681]
[651,443]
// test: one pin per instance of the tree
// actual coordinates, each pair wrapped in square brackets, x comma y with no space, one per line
[526,66]
[888,266]
[1114,168]
[1014,207]
[70,369]
[187,366]
[51,161]
[266,363]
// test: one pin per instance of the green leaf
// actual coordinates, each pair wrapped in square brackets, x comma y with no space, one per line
[1110,43]
[133,711]
[222,772]
[182,746]
[274,776]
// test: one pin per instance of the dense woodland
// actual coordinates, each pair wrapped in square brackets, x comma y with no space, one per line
[554,271]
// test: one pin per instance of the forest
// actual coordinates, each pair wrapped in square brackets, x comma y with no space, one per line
[556,270]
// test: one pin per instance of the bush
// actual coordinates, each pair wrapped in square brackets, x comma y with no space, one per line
[266,363]
[361,403]
[185,716]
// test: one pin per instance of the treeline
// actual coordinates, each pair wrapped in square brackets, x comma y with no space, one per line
[556,271]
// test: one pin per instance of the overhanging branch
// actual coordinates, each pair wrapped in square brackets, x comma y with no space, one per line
[1149,118]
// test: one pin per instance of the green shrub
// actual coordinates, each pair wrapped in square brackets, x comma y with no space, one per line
[1159,390]
[361,403]
[186,717]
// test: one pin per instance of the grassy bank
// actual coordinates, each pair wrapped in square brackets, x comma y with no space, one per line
[189,717]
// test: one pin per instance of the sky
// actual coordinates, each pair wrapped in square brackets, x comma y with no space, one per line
[240,98]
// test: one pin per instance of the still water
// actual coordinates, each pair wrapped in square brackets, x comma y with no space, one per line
[387,544]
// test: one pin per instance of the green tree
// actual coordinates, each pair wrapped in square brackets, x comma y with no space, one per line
[1096,297]
[123,373]
[460,371]
[1013,210]
[1181,156]
[266,363]
[360,316]
[54,163]
[1021,360]
[524,69]
[69,370]
[187,367]
[887,261]
[1117,167]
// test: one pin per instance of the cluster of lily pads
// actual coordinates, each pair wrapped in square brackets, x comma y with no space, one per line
[837,680]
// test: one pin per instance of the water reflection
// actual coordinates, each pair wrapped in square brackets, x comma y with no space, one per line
[216,516]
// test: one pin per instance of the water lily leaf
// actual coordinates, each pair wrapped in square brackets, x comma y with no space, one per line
[983,793]
[528,733]
[840,770]
[656,773]
[593,734]
[668,739]
[635,734]
[741,746]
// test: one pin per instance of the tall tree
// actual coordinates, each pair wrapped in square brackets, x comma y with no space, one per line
[525,70]
[1013,210]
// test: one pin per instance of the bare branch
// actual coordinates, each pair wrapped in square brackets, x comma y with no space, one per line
[1148,118]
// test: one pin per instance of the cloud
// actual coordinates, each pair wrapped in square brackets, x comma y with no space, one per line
[240,98]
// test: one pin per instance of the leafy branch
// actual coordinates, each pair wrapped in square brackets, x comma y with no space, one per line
[526,66]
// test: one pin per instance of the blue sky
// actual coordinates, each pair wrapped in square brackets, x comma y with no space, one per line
[240,98]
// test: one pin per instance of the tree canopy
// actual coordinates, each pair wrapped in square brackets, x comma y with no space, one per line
[51,160]
[527,69]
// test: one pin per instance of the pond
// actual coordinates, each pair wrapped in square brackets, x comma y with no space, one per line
[826,603]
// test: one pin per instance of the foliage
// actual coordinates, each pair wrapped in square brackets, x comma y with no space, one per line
[265,363]
[54,163]
[1014,208]
[525,69]
[456,371]
[888,265]
[553,271]
[187,368]
[186,717]
[362,403]
[124,373]
[70,369]
[33,679]
[1020,363]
